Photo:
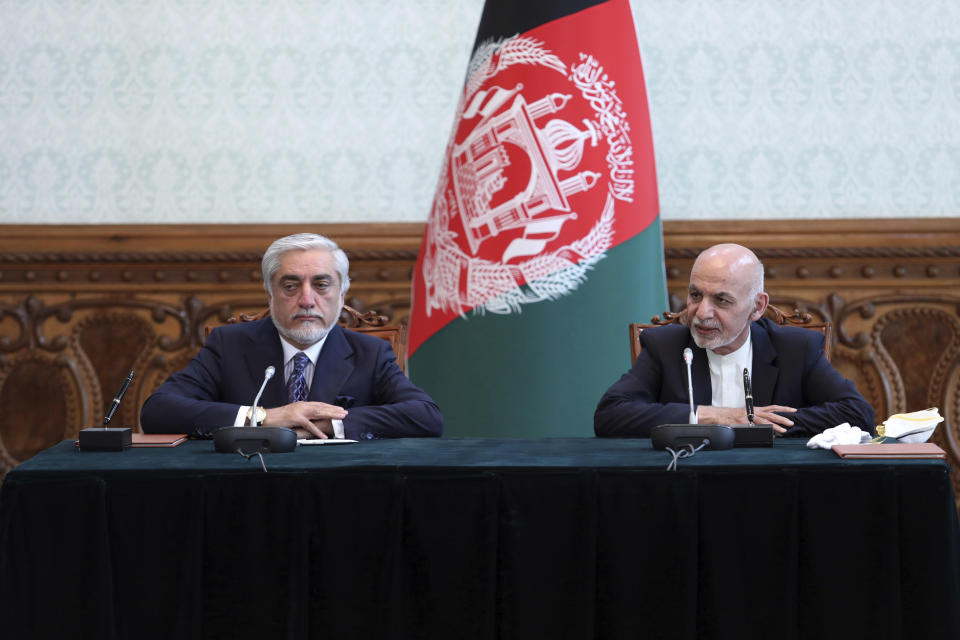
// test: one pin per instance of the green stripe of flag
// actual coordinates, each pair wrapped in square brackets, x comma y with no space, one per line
[540,372]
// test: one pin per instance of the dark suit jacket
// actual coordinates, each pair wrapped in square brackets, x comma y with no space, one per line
[355,371]
[789,369]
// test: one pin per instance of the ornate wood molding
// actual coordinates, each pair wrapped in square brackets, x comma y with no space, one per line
[81,304]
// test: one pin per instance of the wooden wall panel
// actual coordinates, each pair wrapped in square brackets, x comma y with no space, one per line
[81,305]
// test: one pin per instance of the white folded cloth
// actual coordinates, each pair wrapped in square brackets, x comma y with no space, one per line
[840,434]
[916,426]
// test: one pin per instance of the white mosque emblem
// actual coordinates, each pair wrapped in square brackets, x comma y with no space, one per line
[505,176]
[542,201]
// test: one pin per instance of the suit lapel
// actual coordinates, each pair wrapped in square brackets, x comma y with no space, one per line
[262,351]
[702,389]
[334,366]
[764,378]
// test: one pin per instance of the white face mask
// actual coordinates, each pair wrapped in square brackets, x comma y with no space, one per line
[914,427]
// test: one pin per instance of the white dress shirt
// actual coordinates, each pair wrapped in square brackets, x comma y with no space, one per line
[726,375]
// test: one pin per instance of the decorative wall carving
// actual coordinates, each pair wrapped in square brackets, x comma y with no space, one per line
[82,305]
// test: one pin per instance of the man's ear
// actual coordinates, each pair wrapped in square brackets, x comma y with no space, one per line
[760,306]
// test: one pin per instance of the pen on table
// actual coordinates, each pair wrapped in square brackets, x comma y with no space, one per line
[116,400]
[748,395]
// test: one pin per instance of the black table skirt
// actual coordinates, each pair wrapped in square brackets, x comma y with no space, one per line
[473,538]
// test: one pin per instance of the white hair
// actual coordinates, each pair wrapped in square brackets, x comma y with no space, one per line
[757,287]
[304,242]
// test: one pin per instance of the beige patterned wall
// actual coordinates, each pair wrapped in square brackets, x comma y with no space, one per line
[184,111]
[226,110]
[804,108]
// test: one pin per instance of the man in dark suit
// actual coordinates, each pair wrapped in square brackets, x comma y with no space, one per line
[330,382]
[795,388]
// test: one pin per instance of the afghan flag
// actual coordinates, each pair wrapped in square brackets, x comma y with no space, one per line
[544,240]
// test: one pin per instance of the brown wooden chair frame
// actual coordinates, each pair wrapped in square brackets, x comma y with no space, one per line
[796,319]
[369,322]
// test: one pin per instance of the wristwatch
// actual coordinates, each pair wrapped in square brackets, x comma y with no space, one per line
[261,415]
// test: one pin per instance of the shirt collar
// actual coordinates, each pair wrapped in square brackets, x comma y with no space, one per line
[312,352]
[742,357]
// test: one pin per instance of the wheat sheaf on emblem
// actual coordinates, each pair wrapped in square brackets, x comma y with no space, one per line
[493,56]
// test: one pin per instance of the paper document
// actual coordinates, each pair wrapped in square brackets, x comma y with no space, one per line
[327,441]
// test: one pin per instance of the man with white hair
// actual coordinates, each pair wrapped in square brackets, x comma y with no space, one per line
[795,388]
[334,382]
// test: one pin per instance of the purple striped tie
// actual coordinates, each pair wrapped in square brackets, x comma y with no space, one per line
[297,384]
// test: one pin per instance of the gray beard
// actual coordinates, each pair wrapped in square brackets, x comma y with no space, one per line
[306,335]
[705,344]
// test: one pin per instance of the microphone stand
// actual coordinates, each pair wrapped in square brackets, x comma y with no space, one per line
[688,359]
[253,440]
[256,401]
[715,436]
[695,436]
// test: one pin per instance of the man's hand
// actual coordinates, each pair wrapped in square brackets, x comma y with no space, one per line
[308,419]
[325,427]
[761,415]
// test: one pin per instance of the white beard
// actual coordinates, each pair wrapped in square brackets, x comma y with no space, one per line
[305,335]
[718,342]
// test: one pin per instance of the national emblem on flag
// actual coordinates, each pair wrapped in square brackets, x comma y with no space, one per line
[544,239]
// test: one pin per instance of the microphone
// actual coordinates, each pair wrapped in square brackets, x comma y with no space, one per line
[267,374]
[688,358]
[748,395]
[712,436]
[694,435]
[248,441]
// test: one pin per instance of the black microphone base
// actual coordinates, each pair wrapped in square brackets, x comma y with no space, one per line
[105,438]
[254,439]
[675,436]
[752,435]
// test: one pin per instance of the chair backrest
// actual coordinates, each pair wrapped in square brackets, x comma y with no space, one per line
[796,319]
[369,322]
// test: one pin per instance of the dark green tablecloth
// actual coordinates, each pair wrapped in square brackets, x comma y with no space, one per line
[476,538]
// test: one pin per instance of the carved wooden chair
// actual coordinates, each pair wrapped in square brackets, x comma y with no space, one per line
[796,319]
[370,323]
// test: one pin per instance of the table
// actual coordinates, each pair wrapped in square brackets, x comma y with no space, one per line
[478,538]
